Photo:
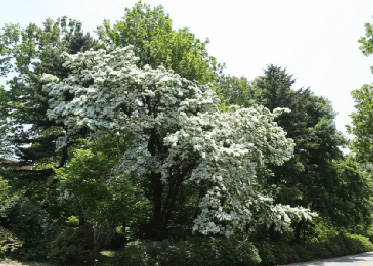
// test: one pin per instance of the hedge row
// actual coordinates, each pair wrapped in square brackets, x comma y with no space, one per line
[212,251]
[282,253]
[193,252]
[71,248]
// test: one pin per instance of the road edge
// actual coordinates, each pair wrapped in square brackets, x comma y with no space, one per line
[312,261]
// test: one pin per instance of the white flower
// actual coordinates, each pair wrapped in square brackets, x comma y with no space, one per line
[222,151]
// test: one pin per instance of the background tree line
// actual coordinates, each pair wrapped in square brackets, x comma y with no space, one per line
[71,205]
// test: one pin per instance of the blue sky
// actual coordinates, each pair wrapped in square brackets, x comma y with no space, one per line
[316,40]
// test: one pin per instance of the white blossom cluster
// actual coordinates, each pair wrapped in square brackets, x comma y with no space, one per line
[107,91]
[229,147]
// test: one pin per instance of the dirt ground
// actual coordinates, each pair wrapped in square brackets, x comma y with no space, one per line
[16,263]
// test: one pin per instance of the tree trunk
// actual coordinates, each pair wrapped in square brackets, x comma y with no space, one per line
[63,157]
[124,232]
[168,209]
[157,187]
[81,217]
[96,245]
[157,201]
[299,231]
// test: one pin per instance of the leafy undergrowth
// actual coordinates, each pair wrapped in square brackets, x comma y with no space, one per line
[224,252]
[193,252]
[214,251]
[340,245]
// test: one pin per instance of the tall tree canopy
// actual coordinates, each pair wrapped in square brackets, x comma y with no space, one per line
[178,138]
[362,127]
[362,119]
[129,140]
[312,178]
[156,43]
[27,54]
[308,178]
[367,41]
[6,148]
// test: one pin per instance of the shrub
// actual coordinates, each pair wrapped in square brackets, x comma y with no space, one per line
[192,252]
[8,242]
[280,253]
[72,246]
[138,253]
[176,253]
[33,227]
[358,243]
[339,245]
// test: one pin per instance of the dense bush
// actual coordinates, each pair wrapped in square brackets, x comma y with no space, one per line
[33,227]
[357,243]
[368,232]
[219,251]
[8,242]
[193,252]
[72,246]
[277,253]
[340,245]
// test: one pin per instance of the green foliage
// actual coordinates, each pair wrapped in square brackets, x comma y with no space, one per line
[6,148]
[4,193]
[32,225]
[274,88]
[157,43]
[351,195]
[361,120]
[368,233]
[92,192]
[318,176]
[138,254]
[367,41]
[362,127]
[192,252]
[9,243]
[88,189]
[233,90]
[72,246]
[28,53]
[279,253]
[83,182]
[358,243]
[214,251]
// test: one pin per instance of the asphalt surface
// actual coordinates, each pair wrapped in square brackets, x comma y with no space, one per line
[364,259]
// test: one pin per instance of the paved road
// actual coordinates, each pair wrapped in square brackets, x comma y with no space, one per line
[364,259]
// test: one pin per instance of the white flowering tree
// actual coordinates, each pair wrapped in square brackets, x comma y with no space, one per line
[179,138]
